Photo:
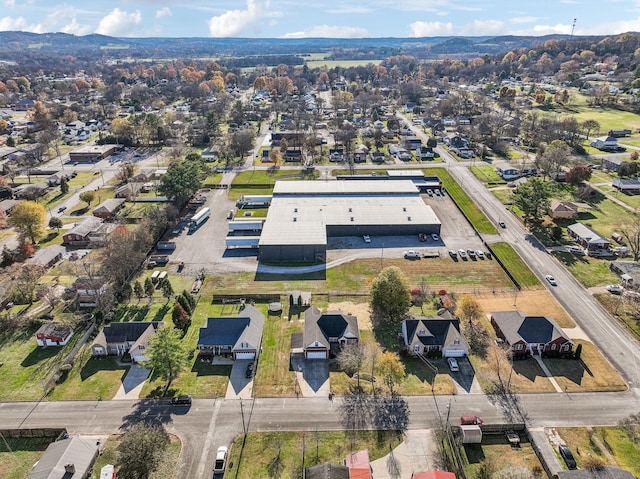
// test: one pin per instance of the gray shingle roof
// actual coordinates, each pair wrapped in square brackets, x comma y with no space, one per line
[326,470]
[319,327]
[433,331]
[517,326]
[224,331]
[606,472]
[74,450]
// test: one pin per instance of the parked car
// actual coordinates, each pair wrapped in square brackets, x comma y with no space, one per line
[435,237]
[249,371]
[453,253]
[551,280]
[470,420]
[471,253]
[411,254]
[366,238]
[453,365]
[182,400]
[47,316]
[615,289]
[221,460]
[480,254]
[61,209]
[462,253]
[566,454]
[576,250]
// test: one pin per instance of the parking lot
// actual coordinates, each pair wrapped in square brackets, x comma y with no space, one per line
[206,246]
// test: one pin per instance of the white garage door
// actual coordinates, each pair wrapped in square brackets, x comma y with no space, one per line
[454,353]
[245,355]
[317,355]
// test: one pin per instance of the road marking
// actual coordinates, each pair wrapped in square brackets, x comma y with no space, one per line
[209,440]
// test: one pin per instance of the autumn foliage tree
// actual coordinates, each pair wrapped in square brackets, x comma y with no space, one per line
[578,174]
[28,218]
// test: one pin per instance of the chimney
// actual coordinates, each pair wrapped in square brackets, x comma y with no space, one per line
[70,468]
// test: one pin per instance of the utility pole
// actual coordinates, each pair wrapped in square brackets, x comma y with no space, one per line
[244,427]
[573,26]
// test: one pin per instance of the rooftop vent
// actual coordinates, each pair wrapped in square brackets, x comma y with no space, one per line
[350,210]
[408,218]
[295,210]
[352,218]
[295,219]
[404,209]
[71,468]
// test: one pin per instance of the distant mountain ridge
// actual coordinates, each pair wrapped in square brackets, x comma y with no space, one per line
[162,47]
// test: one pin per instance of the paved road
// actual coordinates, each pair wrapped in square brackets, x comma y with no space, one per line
[209,423]
[613,340]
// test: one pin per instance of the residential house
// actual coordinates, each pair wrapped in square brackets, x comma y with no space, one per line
[48,256]
[24,105]
[377,157]
[7,206]
[109,208]
[129,190]
[292,156]
[529,335]
[53,334]
[70,458]
[325,333]
[566,209]
[120,338]
[433,474]
[89,290]
[90,232]
[629,272]
[626,185]
[425,153]
[238,338]
[606,143]
[439,335]
[30,191]
[326,470]
[589,238]
[612,164]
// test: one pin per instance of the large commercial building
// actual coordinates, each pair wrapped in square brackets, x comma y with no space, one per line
[304,214]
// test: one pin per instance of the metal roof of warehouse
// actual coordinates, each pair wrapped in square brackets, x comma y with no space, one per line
[302,215]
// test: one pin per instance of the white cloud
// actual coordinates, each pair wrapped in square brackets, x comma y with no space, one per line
[8,24]
[76,29]
[119,23]
[9,3]
[431,29]
[328,31]
[611,28]
[234,22]
[164,12]
[485,27]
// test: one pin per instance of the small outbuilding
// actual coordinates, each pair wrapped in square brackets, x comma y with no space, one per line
[471,434]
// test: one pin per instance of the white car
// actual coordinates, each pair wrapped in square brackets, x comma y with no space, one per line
[480,254]
[453,365]
[221,460]
[411,254]
[366,238]
[462,253]
[551,280]
[615,289]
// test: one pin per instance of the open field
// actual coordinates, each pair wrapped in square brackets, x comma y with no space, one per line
[585,444]
[533,302]
[589,271]
[263,452]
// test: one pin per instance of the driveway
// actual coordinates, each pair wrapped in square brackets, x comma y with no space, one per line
[240,386]
[465,380]
[416,453]
[132,383]
[312,376]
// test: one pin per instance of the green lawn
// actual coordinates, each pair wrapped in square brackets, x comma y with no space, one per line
[487,174]
[512,261]
[623,450]
[468,207]
[17,456]
[26,366]
[258,455]
[500,455]
[589,271]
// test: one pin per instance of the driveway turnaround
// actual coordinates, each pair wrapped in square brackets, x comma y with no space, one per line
[132,383]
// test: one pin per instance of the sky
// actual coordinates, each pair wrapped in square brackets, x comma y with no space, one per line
[324,18]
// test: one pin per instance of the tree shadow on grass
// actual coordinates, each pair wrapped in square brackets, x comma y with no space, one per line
[95,365]
[38,355]
[207,369]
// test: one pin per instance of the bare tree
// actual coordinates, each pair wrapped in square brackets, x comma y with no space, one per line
[351,358]
[630,231]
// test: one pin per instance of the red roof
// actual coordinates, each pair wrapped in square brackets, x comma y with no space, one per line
[359,473]
[433,474]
